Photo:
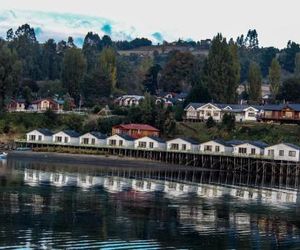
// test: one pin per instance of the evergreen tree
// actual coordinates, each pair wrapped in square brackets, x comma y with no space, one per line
[72,72]
[221,71]
[10,72]
[297,65]
[254,81]
[151,79]
[91,49]
[274,77]
[108,64]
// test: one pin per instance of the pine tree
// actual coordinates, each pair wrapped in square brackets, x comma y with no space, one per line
[274,77]
[297,65]
[254,81]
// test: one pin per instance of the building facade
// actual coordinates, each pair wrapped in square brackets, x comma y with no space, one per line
[135,130]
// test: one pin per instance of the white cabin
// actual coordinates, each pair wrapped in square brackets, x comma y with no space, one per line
[283,152]
[150,142]
[202,111]
[216,146]
[249,148]
[93,138]
[119,140]
[39,135]
[66,137]
[181,144]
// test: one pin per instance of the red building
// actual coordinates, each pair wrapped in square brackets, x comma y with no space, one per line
[284,113]
[135,130]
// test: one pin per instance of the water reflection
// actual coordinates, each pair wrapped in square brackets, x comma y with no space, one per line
[63,206]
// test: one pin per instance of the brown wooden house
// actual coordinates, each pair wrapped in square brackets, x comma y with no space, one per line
[135,130]
[284,113]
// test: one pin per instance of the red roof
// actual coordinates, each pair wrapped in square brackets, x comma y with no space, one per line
[137,126]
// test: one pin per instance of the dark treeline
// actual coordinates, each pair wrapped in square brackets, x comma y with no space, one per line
[97,72]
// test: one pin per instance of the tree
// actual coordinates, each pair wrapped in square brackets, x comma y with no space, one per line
[210,123]
[151,79]
[290,90]
[91,49]
[297,65]
[252,39]
[228,122]
[198,93]
[72,72]
[50,61]
[10,73]
[254,81]
[108,65]
[221,71]
[176,75]
[274,77]
[287,56]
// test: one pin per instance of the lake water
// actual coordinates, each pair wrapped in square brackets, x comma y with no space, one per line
[58,206]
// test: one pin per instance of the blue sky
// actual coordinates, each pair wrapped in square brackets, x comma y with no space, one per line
[276,21]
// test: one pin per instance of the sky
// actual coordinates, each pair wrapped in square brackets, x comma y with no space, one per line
[275,20]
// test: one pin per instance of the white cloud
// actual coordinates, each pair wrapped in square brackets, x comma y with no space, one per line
[276,21]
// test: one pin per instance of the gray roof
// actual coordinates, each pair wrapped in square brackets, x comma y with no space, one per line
[278,107]
[292,145]
[259,144]
[45,131]
[126,137]
[72,133]
[155,138]
[190,140]
[98,135]
[224,143]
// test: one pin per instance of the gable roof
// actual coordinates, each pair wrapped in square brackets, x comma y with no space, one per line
[189,140]
[287,144]
[98,135]
[258,144]
[155,138]
[45,131]
[71,133]
[137,127]
[126,137]
[221,142]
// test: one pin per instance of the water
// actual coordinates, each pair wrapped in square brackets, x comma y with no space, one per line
[58,206]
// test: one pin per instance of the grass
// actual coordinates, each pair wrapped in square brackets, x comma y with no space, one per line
[269,133]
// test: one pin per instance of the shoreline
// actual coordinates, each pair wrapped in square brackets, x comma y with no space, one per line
[92,160]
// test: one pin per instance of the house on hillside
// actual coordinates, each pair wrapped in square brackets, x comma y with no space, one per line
[150,142]
[242,113]
[120,140]
[66,137]
[16,105]
[283,113]
[39,135]
[129,100]
[135,130]
[196,112]
[183,144]
[251,148]
[283,152]
[42,105]
[93,138]
[216,146]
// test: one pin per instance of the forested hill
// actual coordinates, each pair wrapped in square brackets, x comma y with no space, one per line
[103,69]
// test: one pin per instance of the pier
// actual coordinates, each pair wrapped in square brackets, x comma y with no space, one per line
[260,165]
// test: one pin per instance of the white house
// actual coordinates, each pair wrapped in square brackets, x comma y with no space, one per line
[202,111]
[248,147]
[39,135]
[93,138]
[129,100]
[182,144]
[283,152]
[66,137]
[150,142]
[120,140]
[242,113]
[216,146]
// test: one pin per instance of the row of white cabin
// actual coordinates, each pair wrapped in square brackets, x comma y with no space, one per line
[282,151]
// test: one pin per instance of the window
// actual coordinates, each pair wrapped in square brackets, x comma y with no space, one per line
[120,143]
[112,142]
[151,145]
[253,151]
[281,152]
[208,148]
[174,146]
[216,114]
[58,139]
[66,139]
[242,150]
[251,114]
[217,149]
[292,153]
[271,152]
[142,144]
[85,141]
[40,138]
[93,141]
[32,137]
[183,146]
